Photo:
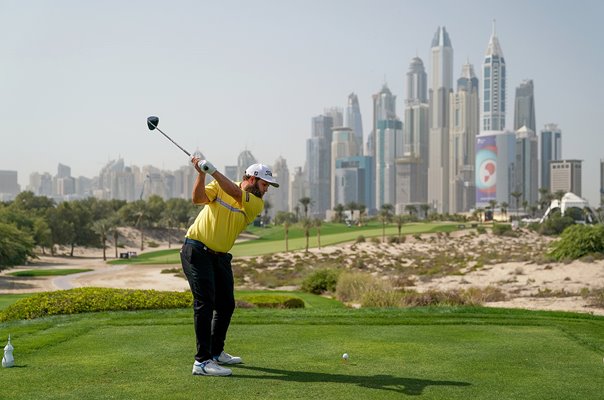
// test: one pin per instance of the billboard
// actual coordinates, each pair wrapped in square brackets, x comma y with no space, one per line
[486,169]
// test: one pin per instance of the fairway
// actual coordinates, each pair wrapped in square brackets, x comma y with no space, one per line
[442,353]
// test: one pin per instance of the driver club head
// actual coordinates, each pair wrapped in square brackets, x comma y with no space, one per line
[152,122]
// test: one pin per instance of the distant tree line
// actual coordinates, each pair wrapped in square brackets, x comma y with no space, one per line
[31,221]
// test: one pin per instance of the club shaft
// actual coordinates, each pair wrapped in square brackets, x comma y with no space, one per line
[170,139]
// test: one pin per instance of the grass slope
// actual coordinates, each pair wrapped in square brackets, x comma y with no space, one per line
[439,353]
[272,240]
[48,272]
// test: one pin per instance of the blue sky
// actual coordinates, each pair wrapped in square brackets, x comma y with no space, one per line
[79,78]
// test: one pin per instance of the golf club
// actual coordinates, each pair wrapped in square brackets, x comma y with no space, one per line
[152,123]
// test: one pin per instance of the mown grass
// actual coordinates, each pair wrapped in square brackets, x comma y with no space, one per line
[272,240]
[435,353]
[48,272]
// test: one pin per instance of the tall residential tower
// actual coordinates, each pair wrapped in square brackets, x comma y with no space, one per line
[442,86]
[494,83]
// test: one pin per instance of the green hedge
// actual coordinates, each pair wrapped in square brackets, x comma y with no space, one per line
[82,300]
[272,300]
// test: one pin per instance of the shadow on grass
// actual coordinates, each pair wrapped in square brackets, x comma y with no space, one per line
[16,282]
[409,386]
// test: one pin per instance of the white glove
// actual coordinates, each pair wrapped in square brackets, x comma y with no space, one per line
[206,167]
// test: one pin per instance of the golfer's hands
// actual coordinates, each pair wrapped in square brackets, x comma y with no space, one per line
[206,167]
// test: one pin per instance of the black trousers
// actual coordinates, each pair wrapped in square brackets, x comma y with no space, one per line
[210,278]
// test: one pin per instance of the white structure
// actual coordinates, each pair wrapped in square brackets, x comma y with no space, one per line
[571,200]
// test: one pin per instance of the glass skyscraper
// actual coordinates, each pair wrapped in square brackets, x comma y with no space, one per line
[551,150]
[494,83]
[354,120]
[442,86]
[524,106]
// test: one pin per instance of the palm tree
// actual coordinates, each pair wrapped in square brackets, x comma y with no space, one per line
[351,207]
[306,202]
[339,213]
[559,195]
[306,224]
[517,196]
[411,209]
[425,208]
[101,227]
[362,208]
[493,205]
[545,198]
[504,209]
[479,211]
[318,224]
[286,231]
[385,215]
[400,220]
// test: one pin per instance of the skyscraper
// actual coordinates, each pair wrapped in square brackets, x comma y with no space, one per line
[279,198]
[384,107]
[524,106]
[412,167]
[566,176]
[388,147]
[464,127]
[551,149]
[318,164]
[494,83]
[354,120]
[442,85]
[527,173]
[343,145]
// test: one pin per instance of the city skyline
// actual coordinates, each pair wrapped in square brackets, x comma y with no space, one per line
[82,78]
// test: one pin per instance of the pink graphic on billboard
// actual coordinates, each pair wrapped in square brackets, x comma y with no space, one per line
[486,169]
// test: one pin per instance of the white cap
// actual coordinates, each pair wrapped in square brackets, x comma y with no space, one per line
[263,172]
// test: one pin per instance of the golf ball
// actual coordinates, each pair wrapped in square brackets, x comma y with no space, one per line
[345,356]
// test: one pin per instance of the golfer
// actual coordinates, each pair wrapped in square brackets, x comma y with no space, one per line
[229,208]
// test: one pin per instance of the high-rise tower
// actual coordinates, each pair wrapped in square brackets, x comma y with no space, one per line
[412,167]
[318,164]
[442,85]
[354,121]
[527,164]
[464,127]
[524,106]
[551,150]
[494,82]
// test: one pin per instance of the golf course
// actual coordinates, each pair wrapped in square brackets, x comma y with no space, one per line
[444,352]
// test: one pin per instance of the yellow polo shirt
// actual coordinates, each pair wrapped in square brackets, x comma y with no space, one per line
[222,220]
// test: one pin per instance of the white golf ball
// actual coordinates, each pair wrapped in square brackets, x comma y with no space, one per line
[345,356]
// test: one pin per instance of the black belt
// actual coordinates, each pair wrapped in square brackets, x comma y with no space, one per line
[201,246]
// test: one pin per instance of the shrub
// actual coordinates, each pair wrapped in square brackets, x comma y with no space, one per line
[381,298]
[81,300]
[481,230]
[360,239]
[321,281]
[352,286]
[577,241]
[556,224]
[272,300]
[502,229]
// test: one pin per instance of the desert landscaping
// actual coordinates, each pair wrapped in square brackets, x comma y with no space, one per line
[515,266]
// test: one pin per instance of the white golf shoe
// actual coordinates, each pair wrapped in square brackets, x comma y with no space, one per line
[226,358]
[209,367]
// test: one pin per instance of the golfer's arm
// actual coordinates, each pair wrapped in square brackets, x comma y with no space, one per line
[228,186]
[199,195]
